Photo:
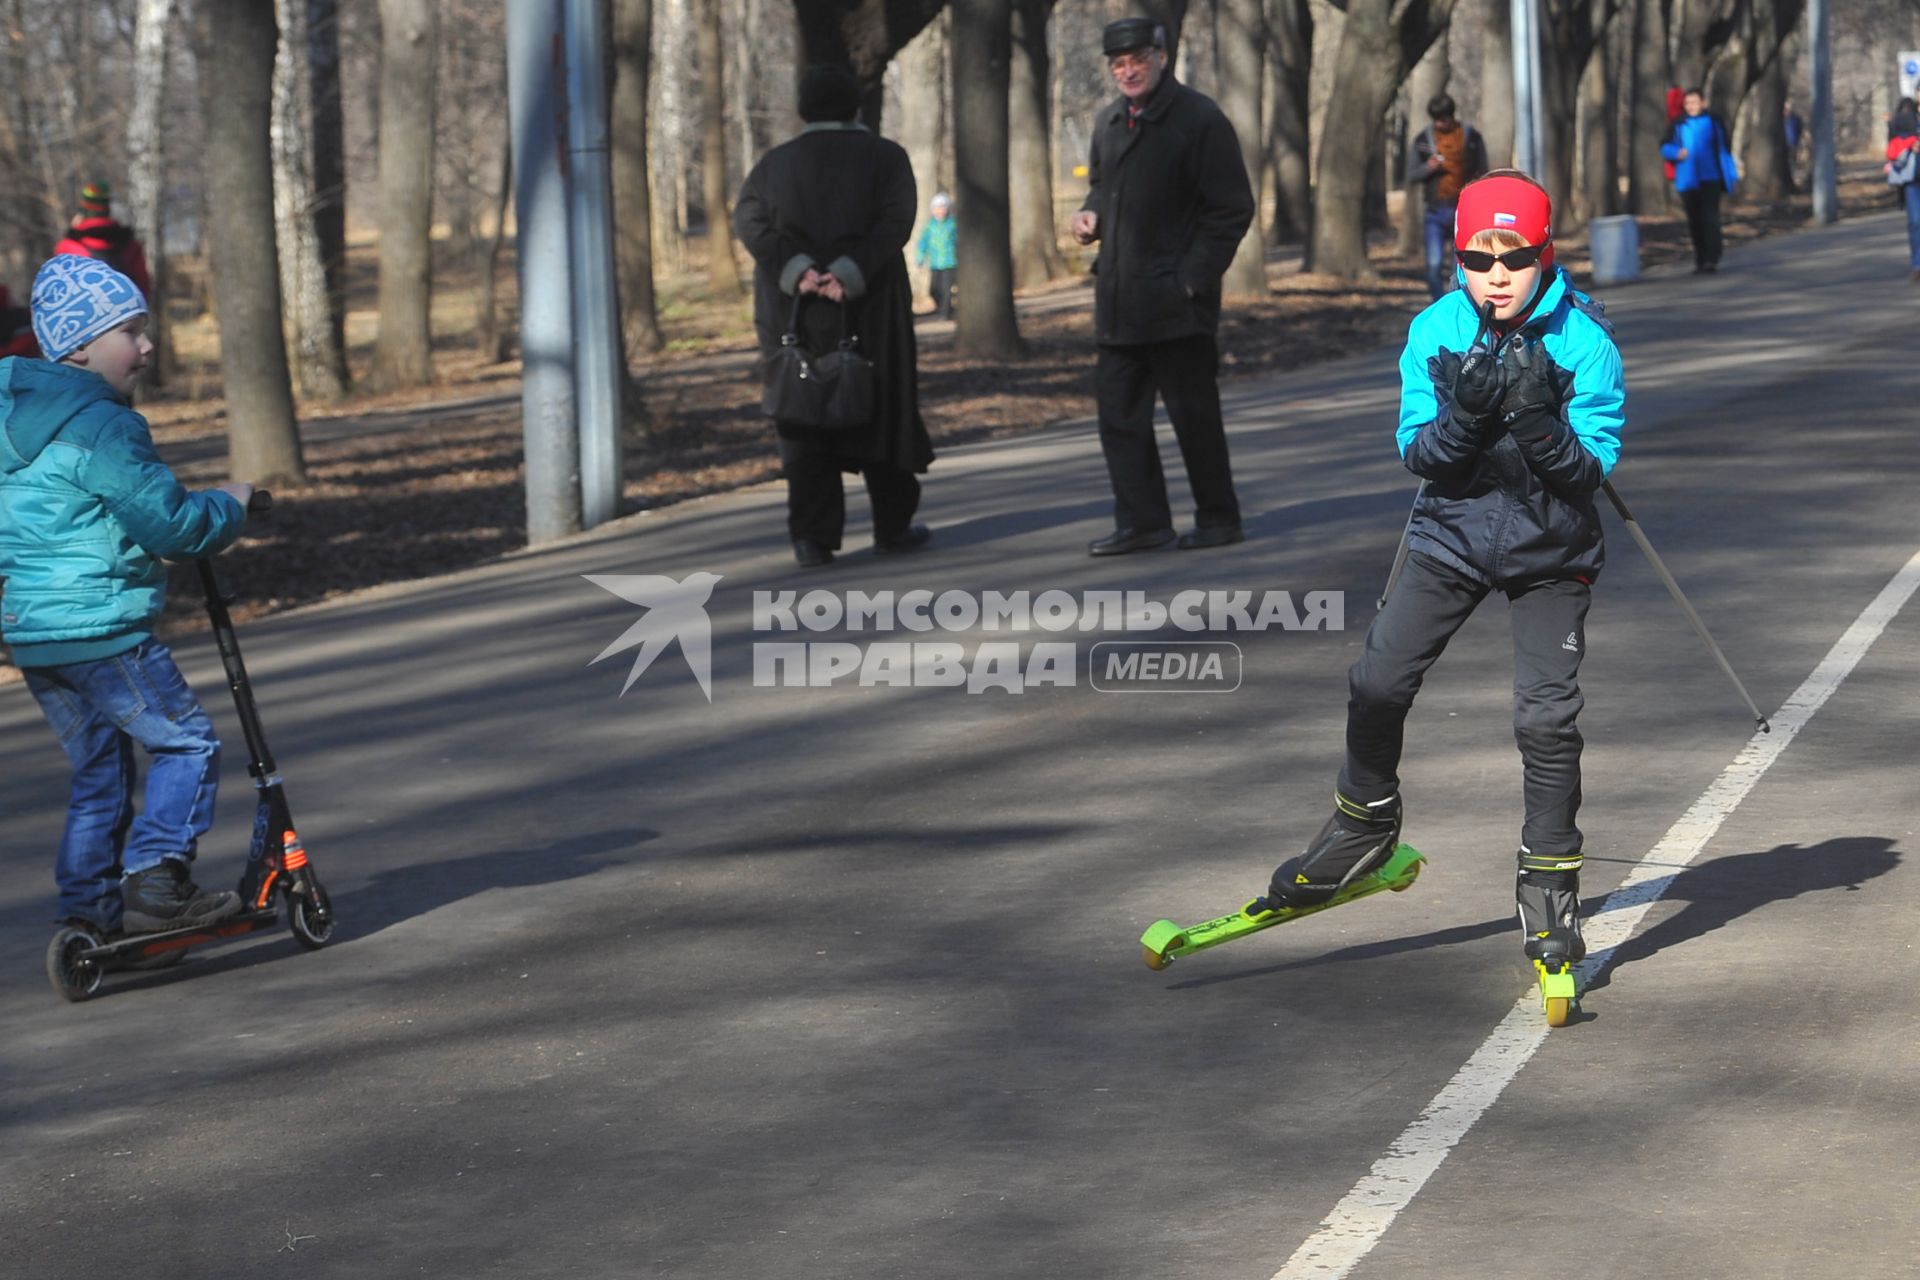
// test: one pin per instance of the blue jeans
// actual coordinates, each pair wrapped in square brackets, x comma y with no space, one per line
[1439,229]
[99,710]
[1912,193]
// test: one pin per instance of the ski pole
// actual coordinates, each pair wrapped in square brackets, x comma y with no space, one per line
[1400,556]
[1673,589]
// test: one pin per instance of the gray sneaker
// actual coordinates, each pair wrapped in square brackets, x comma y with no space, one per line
[162,898]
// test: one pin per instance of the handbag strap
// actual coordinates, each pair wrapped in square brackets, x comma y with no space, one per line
[848,339]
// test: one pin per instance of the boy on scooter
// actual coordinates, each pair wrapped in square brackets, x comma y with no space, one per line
[1511,406]
[88,516]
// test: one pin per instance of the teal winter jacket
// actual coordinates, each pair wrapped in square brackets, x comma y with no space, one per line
[88,515]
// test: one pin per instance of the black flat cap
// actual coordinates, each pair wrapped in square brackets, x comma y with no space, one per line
[829,92]
[1129,34]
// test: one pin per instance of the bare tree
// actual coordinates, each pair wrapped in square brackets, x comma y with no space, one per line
[1597,185]
[489,339]
[631,34]
[1242,43]
[670,118]
[723,273]
[319,365]
[235,42]
[982,48]
[403,351]
[922,130]
[1428,80]
[1290,23]
[326,127]
[1496,75]
[146,162]
[862,34]
[1647,188]
[1036,244]
[1379,43]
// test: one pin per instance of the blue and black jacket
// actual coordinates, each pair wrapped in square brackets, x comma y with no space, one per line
[1509,514]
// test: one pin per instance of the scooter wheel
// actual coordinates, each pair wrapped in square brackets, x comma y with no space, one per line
[310,916]
[73,979]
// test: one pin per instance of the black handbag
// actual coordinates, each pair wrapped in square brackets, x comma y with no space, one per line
[828,392]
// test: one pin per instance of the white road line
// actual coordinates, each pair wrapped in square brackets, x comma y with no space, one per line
[1356,1224]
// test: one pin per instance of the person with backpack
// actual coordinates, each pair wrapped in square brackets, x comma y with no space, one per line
[1703,171]
[1903,172]
[94,234]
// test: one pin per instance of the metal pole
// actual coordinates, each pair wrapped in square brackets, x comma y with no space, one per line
[1529,108]
[1826,195]
[596,345]
[535,72]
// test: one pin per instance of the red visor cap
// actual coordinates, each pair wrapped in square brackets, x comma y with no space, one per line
[1507,203]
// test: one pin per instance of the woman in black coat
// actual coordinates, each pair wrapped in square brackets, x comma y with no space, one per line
[826,217]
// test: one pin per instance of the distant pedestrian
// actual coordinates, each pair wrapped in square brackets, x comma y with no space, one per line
[1698,145]
[937,252]
[1446,156]
[1169,201]
[94,234]
[826,217]
[1792,129]
[1903,160]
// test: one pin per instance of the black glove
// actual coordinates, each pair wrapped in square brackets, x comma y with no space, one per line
[1478,387]
[1531,405]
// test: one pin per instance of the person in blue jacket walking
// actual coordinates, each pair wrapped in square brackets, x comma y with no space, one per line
[937,250]
[89,515]
[1512,402]
[1700,149]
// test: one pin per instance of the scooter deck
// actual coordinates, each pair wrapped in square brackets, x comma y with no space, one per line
[1164,941]
[139,946]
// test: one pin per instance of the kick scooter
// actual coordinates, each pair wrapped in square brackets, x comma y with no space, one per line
[79,957]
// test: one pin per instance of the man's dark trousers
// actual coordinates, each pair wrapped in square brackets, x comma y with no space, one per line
[1703,222]
[817,497]
[1185,374]
[1429,603]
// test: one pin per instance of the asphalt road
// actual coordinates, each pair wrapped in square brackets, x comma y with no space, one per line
[844,981]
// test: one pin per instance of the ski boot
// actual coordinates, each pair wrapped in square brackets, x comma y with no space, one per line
[1358,838]
[1547,897]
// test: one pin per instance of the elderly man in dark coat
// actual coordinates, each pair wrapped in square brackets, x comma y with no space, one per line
[826,217]
[1169,202]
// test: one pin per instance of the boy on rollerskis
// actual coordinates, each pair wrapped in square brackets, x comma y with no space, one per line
[88,516]
[1511,406]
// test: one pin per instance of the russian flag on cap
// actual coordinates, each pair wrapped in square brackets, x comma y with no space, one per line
[1505,220]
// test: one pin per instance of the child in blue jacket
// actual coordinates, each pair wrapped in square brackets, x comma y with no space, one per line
[88,516]
[937,251]
[1512,426]
[1699,148]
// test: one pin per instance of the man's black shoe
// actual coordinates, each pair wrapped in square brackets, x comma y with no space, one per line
[811,554]
[1205,536]
[1121,541]
[162,898]
[913,539]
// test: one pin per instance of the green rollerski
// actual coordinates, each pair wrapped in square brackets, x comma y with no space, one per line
[1559,997]
[1547,897]
[1164,941]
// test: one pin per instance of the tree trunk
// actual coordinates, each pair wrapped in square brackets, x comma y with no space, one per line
[668,117]
[1291,24]
[723,272]
[632,35]
[1648,191]
[489,340]
[236,40]
[1428,79]
[1764,174]
[146,162]
[1496,123]
[403,352]
[1241,45]
[319,368]
[1597,194]
[1036,240]
[923,121]
[982,51]
[327,127]
[1169,14]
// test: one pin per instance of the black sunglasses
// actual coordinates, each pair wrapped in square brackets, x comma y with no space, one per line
[1513,259]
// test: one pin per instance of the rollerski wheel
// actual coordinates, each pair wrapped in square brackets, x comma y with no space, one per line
[74,976]
[1559,998]
[1164,941]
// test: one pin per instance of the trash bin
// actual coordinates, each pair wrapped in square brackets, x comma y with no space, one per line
[1616,249]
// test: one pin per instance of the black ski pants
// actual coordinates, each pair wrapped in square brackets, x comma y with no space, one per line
[1703,222]
[1185,372]
[817,497]
[1429,603]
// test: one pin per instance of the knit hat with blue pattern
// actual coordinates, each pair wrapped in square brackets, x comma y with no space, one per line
[76,299]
